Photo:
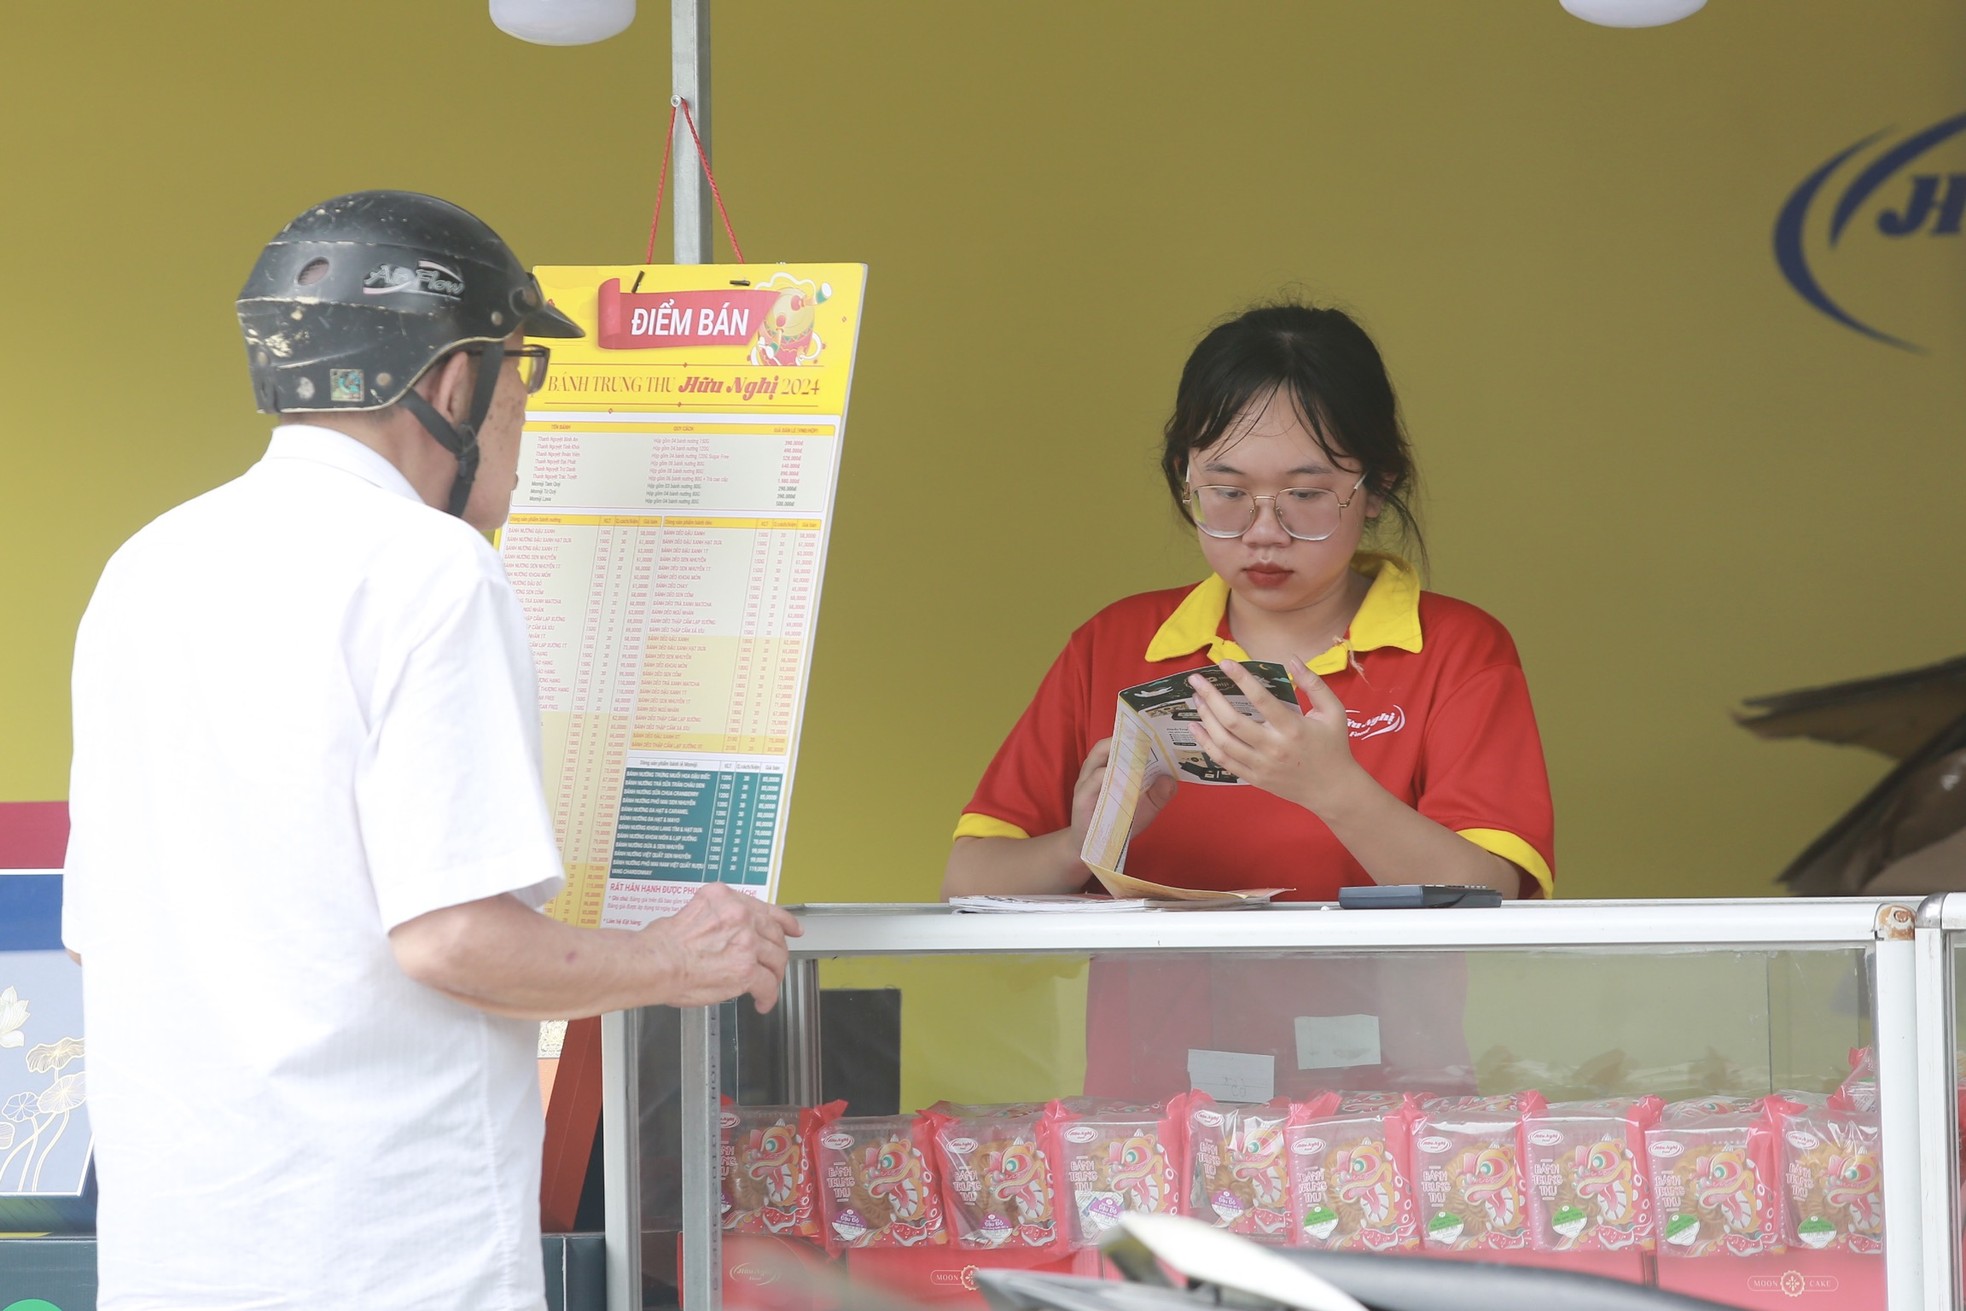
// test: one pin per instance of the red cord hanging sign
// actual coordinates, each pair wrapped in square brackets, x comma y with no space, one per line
[677,103]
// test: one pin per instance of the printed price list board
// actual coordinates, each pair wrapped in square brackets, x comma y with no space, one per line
[667,541]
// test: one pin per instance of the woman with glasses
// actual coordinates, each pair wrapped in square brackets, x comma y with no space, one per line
[1415,758]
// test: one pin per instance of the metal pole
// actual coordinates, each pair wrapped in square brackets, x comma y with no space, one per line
[1896,1046]
[1936,1210]
[621,1170]
[703,1232]
[689,79]
[703,1255]
[798,1012]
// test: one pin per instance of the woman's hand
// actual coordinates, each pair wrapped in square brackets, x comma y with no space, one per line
[1092,777]
[1047,862]
[1305,758]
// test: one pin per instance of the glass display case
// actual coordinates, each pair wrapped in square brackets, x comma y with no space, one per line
[1717,1097]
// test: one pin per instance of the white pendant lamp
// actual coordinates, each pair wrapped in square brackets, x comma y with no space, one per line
[1633,13]
[562,22]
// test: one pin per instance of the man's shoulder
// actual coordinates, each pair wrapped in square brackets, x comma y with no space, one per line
[332,535]
[211,516]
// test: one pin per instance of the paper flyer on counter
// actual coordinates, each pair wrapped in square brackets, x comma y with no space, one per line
[667,541]
[1151,740]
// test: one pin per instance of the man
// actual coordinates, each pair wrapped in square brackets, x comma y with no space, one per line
[309,839]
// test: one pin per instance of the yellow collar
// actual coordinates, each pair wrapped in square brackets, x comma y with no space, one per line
[1388,616]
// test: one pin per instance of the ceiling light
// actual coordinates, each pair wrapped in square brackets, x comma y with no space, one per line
[562,22]
[1633,13]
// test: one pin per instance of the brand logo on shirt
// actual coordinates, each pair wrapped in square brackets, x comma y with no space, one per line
[1386,721]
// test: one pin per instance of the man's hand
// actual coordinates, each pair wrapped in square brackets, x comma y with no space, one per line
[724,944]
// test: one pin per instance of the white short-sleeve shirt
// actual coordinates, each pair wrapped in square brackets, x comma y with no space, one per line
[304,714]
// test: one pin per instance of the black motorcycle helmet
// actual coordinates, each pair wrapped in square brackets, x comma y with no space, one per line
[356,298]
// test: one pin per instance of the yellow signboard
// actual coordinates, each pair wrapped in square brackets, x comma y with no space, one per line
[667,540]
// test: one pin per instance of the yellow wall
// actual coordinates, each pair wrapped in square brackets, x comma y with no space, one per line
[1677,483]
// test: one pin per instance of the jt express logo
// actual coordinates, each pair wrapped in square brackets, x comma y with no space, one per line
[1855,239]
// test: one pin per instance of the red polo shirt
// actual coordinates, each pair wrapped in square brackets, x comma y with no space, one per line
[1439,713]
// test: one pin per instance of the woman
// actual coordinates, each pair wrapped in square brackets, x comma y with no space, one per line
[1416,758]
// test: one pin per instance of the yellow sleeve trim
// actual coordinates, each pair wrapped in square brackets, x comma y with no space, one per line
[1512,849]
[973,825]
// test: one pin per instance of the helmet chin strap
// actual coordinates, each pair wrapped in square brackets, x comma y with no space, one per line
[462,440]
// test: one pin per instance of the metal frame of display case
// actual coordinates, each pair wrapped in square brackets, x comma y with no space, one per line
[1940,919]
[1905,1032]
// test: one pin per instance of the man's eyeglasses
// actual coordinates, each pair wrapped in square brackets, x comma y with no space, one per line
[530,359]
[1309,514]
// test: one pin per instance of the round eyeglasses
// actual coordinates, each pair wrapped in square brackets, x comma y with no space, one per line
[1309,514]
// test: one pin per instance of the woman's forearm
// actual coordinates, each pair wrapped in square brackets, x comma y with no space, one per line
[1397,844]
[1048,863]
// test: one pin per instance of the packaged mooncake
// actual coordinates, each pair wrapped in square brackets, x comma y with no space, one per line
[1833,1181]
[1587,1181]
[877,1186]
[1235,1174]
[1119,1158]
[1001,1181]
[1859,1091]
[1365,1102]
[769,1179]
[1716,1177]
[1467,1165]
[1349,1162]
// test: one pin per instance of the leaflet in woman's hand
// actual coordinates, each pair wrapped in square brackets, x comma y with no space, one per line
[1166,708]
[1153,737]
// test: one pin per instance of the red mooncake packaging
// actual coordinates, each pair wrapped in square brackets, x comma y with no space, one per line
[878,1186]
[1002,1181]
[1833,1180]
[1588,1186]
[1349,1159]
[770,1182]
[1859,1090]
[1235,1175]
[1119,1159]
[1715,1167]
[1467,1162]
